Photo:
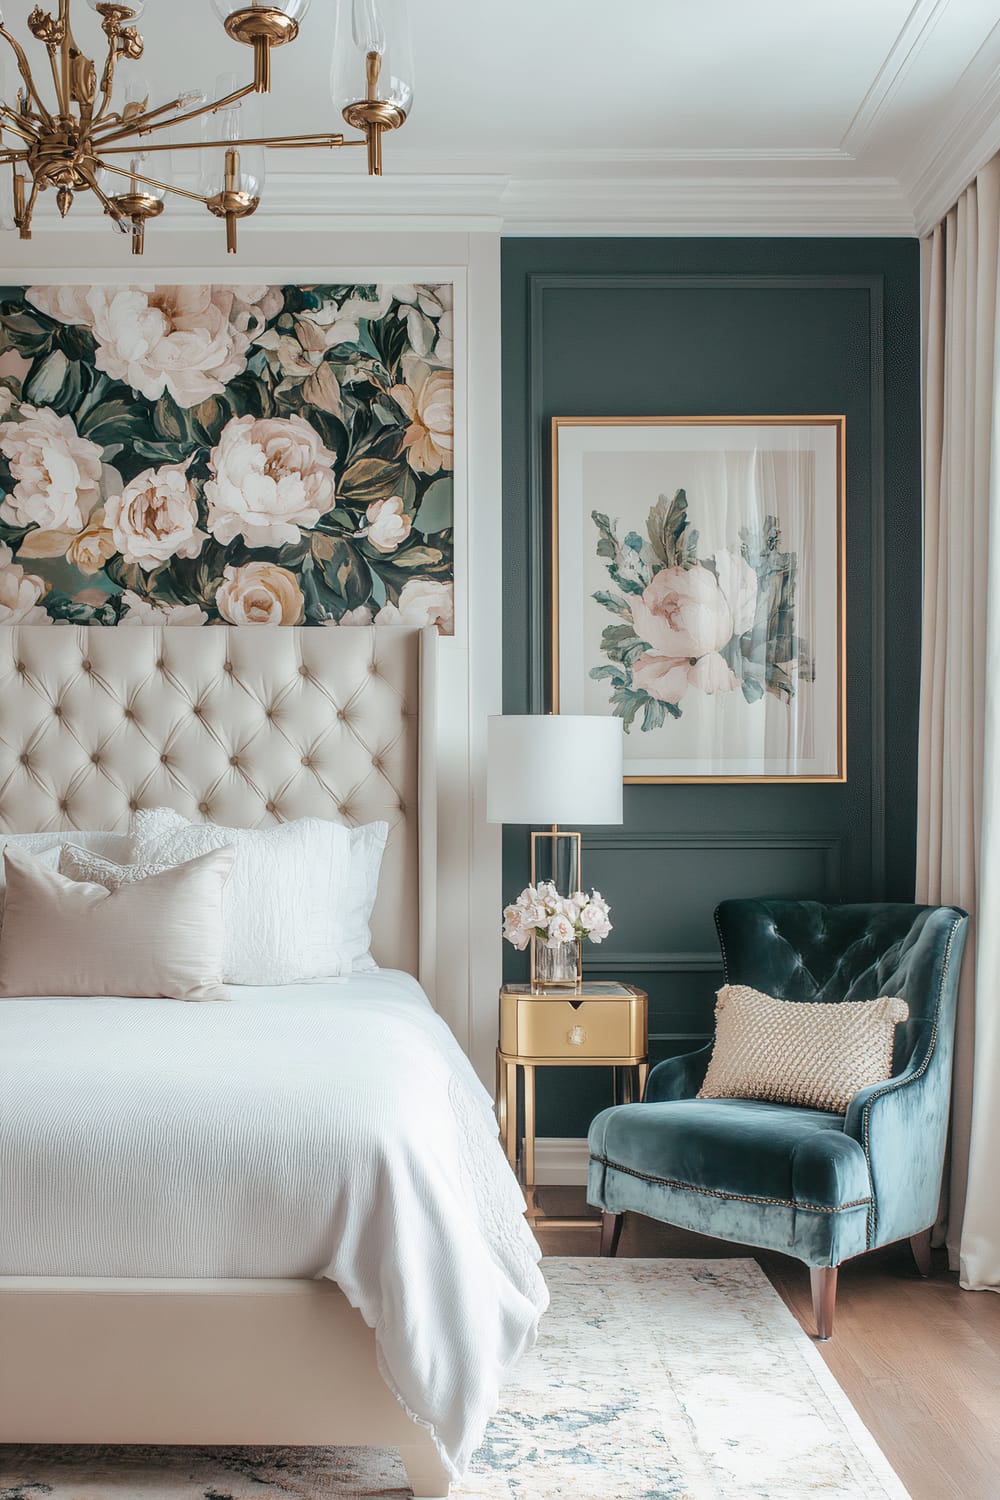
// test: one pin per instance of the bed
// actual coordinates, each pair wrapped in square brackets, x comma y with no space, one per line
[283,1319]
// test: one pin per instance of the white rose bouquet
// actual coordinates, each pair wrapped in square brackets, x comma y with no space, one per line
[541,912]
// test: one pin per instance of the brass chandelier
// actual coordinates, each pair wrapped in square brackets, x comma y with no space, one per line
[82,134]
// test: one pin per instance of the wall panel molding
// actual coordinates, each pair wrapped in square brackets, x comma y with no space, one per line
[540,286]
[687,327]
[633,961]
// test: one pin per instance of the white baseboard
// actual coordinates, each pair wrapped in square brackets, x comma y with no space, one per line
[561,1159]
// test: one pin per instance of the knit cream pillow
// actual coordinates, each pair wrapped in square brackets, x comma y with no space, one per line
[799,1052]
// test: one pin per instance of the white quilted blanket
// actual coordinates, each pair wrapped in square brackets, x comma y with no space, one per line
[331,1129]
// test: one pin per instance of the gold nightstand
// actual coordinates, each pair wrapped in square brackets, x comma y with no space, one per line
[597,1025]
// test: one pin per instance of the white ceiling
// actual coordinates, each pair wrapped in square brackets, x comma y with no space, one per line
[773,116]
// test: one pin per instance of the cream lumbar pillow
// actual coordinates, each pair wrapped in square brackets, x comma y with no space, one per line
[808,1053]
[162,936]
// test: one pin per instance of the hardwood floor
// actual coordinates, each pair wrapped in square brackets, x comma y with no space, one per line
[920,1360]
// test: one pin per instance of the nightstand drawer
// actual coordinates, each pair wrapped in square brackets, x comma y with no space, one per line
[549,1027]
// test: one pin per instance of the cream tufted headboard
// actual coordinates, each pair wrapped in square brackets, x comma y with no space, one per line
[244,726]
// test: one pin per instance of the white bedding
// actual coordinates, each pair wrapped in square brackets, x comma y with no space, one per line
[331,1129]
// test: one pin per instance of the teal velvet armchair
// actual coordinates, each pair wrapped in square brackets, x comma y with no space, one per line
[818,1186]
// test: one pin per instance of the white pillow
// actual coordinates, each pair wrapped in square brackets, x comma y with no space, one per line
[161,936]
[80,864]
[367,847]
[282,900]
[111,845]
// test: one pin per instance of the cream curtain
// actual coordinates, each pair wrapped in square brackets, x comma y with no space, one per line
[958,825]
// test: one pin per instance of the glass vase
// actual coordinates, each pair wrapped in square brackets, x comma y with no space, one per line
[558,966]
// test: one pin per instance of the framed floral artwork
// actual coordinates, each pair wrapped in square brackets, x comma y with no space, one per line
[698,592]
[206,455]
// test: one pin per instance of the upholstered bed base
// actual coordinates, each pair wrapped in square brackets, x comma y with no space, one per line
[245,726]
[220,1363]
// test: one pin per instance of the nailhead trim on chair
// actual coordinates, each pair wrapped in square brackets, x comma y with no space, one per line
[689,1187]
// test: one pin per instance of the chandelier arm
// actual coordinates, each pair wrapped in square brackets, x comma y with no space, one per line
[168,187]
[304,142]
[62,79]
[15,124]
[289,142]
[55,64]
[144,124]
[24,224]
[107,82]
[110,208]
[24,68]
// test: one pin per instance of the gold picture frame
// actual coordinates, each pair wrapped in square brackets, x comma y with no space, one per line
[755,537]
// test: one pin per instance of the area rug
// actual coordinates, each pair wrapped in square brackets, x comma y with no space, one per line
[651,1380]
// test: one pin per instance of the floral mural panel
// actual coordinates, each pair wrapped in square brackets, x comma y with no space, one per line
[196,455]
[699,592]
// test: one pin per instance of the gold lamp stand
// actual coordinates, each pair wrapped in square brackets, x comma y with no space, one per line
[557,856]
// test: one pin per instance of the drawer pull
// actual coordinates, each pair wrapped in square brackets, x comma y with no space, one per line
[576,1036]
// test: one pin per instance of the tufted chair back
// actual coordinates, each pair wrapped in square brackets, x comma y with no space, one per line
[804,950]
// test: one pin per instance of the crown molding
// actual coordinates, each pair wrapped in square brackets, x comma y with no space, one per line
[910,42]
[766,206]
[647,205]
[945,158]
[303,201]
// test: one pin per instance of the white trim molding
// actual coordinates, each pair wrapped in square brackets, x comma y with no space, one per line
[945,158]
[708,205]
[913,36]
[561,1160]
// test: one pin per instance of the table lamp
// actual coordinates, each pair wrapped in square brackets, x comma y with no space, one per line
[555,769]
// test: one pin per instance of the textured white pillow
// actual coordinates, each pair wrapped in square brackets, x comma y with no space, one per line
[367,847]
[161,936]
[282,899]
[80,864]
[111,845]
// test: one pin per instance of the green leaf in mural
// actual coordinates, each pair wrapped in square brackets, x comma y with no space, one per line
[59,606]
[251,395]
[385,443]
[191,426]
[370,479]
[389,336]
[424,558]
[60,383]
[126,575]
[330,428]
[436,508]
[344,571]
[113,421]
[26,332]
[76,343]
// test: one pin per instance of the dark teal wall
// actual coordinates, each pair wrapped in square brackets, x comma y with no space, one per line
[634,327]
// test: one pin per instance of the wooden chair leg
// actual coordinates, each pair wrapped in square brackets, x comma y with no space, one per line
[823,1280]
[611,1232]
[920,1244]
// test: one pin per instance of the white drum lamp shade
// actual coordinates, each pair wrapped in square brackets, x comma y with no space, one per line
[554,768]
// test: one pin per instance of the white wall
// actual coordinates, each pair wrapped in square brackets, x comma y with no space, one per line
[285,251]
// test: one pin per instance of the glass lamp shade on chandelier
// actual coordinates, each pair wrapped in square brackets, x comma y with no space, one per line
[67,128]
